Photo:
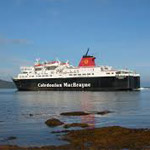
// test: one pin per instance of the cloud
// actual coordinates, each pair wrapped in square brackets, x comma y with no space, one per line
[8,73]
[54,0]
[14,61]
[21,62]
[143,65]
[14,41]
[13,67]
[19,2]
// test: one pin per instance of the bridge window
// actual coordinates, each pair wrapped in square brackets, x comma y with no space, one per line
[38,69]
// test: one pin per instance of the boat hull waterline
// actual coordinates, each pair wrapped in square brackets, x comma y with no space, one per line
[79,84]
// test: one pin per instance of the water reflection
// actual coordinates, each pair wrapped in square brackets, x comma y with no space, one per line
[48,104]
[87,107]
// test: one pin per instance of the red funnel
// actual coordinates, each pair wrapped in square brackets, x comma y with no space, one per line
[87,61]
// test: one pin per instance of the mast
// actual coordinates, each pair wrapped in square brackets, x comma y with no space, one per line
[87,52]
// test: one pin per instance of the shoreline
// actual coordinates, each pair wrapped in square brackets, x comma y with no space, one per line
[104,138]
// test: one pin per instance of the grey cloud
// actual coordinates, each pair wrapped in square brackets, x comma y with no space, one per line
[7,73]
[143,65]
[55,0]
[13,68]
[21,62]
[14,41]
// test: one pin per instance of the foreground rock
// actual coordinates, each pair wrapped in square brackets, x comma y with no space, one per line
[82,113]
[82,125]
[106,138]
[111,138]
[53,122]
[61,131]
[104,112]
[11,138]
[74,113]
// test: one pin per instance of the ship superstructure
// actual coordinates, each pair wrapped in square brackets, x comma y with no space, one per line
[57,75]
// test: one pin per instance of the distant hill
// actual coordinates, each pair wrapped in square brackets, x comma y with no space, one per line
[6,84]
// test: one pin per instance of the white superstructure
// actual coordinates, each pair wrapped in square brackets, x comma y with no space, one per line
[57,69]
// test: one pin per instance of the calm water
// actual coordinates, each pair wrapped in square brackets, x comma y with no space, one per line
[131,109]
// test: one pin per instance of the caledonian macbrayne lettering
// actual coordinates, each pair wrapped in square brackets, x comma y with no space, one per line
[69,85]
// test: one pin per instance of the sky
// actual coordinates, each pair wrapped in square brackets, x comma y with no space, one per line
[116,31]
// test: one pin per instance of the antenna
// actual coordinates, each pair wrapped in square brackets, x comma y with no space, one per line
[87,52]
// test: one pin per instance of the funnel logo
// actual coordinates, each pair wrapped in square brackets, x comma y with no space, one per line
[86,61]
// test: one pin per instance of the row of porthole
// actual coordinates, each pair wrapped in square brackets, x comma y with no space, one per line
[35,76]
[81,74]
[110,73]
[59,75]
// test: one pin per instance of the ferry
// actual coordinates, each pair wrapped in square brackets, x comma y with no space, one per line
[87,76]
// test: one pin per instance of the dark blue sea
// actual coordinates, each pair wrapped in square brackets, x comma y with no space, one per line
[130,109]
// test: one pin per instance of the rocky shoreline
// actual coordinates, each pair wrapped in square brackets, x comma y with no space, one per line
[104,138]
